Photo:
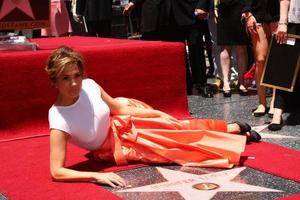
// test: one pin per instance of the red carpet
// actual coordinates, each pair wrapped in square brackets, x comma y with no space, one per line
[26,170]
[25,173]
[122,67]
[135,69]
[273,159]
[292,197]
[150,71]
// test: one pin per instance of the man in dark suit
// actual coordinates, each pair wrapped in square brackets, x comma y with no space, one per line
[177,20]
[98,16]
[183,11]
[150,11]
[180,21]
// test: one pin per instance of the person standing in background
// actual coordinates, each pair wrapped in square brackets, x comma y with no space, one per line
[59,20]
[208,47]
[97,14]
[289,22]
[230,33]
[212,23]
[261,19]
[178,21]
[149,17]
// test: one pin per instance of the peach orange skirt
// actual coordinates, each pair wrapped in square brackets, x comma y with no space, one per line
[196,142]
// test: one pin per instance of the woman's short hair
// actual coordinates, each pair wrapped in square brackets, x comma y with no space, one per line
[61,58]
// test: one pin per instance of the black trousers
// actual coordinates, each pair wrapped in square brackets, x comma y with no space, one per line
[192,35]
[290,100]
[101,28]
[151,35]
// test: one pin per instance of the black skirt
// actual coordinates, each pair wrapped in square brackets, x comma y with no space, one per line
[230,28]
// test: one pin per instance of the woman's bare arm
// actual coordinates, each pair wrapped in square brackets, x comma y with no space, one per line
[58,148]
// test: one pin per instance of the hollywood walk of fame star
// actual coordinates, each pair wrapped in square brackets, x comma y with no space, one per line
[9,5]
[183,182]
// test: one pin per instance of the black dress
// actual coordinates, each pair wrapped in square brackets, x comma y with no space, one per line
[230,29]
[264,11]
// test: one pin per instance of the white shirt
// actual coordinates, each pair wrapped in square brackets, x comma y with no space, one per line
[87,120]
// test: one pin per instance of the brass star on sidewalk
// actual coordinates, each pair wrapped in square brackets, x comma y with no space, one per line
[9,5]
[183,183]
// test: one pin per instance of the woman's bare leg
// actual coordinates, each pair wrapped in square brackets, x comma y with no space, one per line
[271,111]
[241,52]
[225,65]
[260,45]
[277,116]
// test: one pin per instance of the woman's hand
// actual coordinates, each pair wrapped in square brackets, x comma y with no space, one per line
[201,14]
[281,33]
[251,24]
[110,179]
[128,9]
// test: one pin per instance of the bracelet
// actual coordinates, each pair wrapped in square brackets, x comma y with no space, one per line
[282,23]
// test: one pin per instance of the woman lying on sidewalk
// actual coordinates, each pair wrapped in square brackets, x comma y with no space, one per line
[122,129]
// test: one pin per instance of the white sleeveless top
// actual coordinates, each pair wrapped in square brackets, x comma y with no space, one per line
[87,120]
[294,12]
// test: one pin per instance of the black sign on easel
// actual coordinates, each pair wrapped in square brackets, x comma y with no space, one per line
[282,64]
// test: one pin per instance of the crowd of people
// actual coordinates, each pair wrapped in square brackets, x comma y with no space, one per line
[211,29]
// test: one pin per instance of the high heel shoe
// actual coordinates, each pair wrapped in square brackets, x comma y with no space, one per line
[242,91]
[226,93]
[254,136]
[259,114]
[276,127]
[244,127]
